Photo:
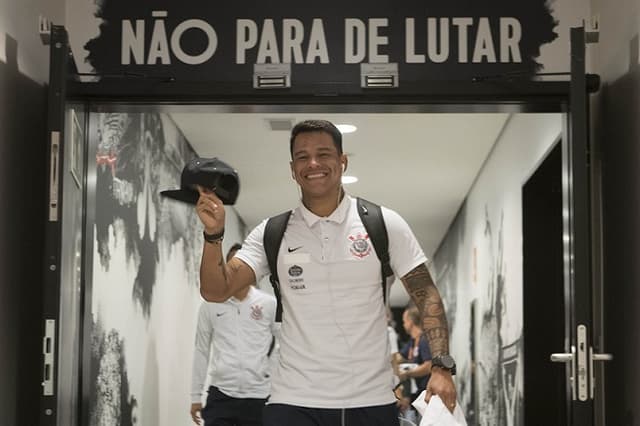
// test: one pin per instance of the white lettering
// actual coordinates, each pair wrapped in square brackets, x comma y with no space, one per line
[510,34]
[436,54]
[132,43]
[268,44]
[484,43]
[317,44]
[376,40]
[292,37]
[354,41]
[410,43]
[212,42]
[463,42]
[159,47]
[246,38]
[248,35]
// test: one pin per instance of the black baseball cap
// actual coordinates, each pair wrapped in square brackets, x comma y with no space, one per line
[210,173]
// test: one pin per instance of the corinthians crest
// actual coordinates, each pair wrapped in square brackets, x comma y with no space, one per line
[360,246]
[256,312]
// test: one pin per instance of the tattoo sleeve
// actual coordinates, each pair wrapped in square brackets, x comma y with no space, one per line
[425,295]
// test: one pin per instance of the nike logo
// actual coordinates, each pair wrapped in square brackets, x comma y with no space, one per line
[220,314]
[291,250]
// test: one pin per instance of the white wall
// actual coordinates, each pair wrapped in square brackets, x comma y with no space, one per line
[617,51]
[19,21]
[569,13]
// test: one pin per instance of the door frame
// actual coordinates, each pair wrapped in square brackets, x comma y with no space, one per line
[506,93]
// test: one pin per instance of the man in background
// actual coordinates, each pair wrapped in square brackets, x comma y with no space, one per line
[239,332]
[414,362]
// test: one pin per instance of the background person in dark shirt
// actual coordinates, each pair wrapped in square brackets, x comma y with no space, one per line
[416,356]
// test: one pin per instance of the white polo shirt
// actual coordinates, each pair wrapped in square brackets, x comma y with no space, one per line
[238,334]
[334,350]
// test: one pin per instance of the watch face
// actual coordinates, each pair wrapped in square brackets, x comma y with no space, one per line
[445,361]
[448,361]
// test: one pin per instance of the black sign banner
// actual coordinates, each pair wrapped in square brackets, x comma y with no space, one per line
[195,40]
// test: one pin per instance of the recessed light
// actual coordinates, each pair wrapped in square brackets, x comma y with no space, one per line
[346,128]
[349,179]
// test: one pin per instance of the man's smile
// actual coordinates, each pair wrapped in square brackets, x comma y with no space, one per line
[316,175]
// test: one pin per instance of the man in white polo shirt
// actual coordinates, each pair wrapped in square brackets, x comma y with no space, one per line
[334,365]
[240,333]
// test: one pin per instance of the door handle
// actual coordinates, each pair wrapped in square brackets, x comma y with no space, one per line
[569,357]
[601,357]
[596,357]
[561,357]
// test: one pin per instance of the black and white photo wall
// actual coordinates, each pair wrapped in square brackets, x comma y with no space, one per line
[145,275]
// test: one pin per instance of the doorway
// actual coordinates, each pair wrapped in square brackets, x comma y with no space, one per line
[543,293]
[505,98]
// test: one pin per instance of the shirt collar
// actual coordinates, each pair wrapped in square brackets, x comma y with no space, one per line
[236,301]
[338,215]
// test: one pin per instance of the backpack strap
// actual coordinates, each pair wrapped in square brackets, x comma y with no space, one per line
[371,216]
[273,233]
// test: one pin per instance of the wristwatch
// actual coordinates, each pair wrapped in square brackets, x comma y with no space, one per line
[446,362]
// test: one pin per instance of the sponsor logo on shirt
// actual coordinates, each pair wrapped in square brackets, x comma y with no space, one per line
[296,282]
[296,285]
[295,271]
[256,312]
[360,246]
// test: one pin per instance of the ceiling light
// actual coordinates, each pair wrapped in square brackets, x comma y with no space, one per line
[346,128]
[349,179]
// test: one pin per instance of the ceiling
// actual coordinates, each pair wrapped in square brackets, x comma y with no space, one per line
[420,164]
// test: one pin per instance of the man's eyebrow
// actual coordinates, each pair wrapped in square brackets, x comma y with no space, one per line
[319,149]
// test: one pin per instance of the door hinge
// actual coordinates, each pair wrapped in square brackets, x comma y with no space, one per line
[48,350]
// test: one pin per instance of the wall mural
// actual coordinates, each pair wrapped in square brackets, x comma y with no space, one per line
[490,380]
[135,163]
[450,281]
[145,274]
[112,403]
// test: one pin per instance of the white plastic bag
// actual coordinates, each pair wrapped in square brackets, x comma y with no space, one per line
[435,413]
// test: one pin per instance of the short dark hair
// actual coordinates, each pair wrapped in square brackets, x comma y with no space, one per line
[232,251]
[317,126]
[414,315]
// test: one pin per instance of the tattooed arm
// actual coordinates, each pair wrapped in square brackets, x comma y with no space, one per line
[426,297]
[220,280]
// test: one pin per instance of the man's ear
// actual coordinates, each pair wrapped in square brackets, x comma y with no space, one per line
[293,173]
[344,163]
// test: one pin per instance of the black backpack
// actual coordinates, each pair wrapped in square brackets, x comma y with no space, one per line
[371,216]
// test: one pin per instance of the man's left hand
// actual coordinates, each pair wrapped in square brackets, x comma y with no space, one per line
[441,384]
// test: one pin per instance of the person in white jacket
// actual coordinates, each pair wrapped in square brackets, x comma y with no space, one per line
[239,333]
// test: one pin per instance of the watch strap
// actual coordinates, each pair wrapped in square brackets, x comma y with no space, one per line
[213,238]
